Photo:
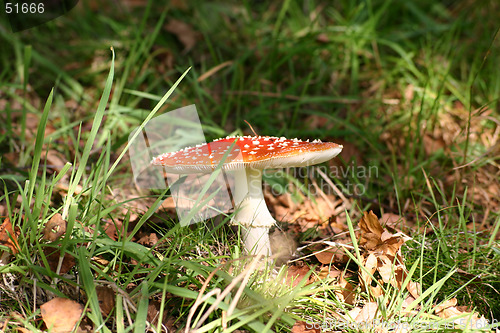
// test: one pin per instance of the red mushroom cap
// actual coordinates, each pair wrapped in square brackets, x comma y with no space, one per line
[258,152]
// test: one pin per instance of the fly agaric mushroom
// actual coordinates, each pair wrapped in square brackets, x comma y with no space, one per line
[249,155]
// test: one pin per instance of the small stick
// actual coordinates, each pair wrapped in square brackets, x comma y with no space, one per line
[250,127]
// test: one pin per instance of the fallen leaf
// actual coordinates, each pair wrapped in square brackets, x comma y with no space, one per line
[184,32]
[154,314]
[334,255]
[7,236]
[346,293]
[114,229]
[324,272]
[148,239]
[106,297]
[370,264]
[385,268]
[392,220]
[371,231]
[303,327]
[296,274]
[414,289]
[54,228]
[433,144]
[178,4]
[374,238]
[408,300]
[353,313]
[55,160]
[446,304]
[53,257]
[376,291]
[391,243]
[448,310]
[367,313]
[60,315]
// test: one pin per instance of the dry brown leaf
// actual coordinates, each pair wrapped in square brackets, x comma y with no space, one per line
[114,228]
[385,268]
[53,257]
[303,327]
[367,313]
[154,316]
[446,304]
[324,273]
[433,144]
[448,309]
[393,220]
[449,312]
[148,239]
[391,244]
[329,256]
[354,312]
[346,294]
[7,236]
[399,276]
[376,291]
[11,157]
[408,300]
[60,315]
[184,32]
[296,274]
[375,239]
[308,214]
[391,269]
[414,289]
[55,160]
[178,4]
[371,231]
[86,326]
[370,263]
[55,228]
[333,273]
[106,297]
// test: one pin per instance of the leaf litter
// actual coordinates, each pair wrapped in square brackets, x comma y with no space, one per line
[380,251]
[61,315]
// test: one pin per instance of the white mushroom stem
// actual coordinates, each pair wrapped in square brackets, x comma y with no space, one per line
[251,211]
